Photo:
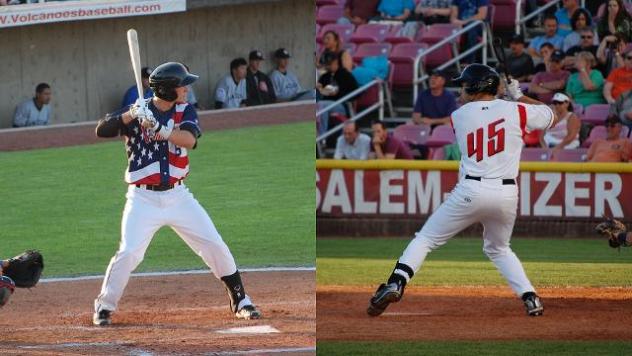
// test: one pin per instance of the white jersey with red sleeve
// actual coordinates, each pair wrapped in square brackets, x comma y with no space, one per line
[489,135]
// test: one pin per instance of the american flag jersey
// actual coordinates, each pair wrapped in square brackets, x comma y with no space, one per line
[156,162]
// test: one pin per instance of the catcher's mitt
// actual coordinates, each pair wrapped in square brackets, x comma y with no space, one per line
[6,289]
[25,269]
[611,228]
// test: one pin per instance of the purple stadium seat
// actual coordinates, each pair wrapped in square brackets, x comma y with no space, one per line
[329,14]
[371,49]
[596,114]
[412,134]
[573,155]
[403,58]
[578,109]
[344,31]
[350,47]
[504,17]
[442,135]
[370,33]
[435,33]
[535,154]
[320,3]
[393,37]
[596,133]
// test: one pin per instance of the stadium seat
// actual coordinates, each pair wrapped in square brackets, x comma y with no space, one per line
[370,33]
[442,135]
[403,58]
[433,34]
[438,154]
[596,133]
[535,154]
[596,114]
[371,49]
[572,155]
[504,17]
[412,134]
[578,109]
[344,31]
[350,47]
[329,14]
[393,37]
[320,3]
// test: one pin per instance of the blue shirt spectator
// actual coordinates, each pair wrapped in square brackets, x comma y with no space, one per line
[435,104]
[468,8]
[550,36]
[131,95]
[564,15]
[395,8]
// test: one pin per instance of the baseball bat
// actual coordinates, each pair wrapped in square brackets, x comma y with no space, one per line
[134,53]
[499,51]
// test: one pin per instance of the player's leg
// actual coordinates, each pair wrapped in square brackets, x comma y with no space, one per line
[193,224]
[498,226]
[455,214]
[140,222]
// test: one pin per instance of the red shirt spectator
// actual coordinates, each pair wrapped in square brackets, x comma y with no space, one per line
[619,80]
[386,146]
[545,84]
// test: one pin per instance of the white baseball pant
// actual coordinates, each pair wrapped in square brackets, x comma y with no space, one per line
[147,211]
[487,201]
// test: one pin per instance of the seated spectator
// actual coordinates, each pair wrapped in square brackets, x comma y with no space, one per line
[434,11]
[519,64]
[386,146]
[586,86]
[35,111]
[586,44]
[352,144]
[435,104]
[550,36]
[286,84]
[564,15]
[609,53]
[464,11]
[546,49]
[580,22]
[612,149]
[231,90]
[259,88]
[564,135]
[615,19]
[396,10]
[545,84]
[332,43]
[622,108]
[619,80]
[332,86]
[131,95]
[359,12]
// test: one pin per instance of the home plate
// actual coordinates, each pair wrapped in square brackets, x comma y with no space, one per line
[259,329]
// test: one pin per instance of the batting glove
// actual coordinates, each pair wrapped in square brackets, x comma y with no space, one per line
[513,88]
[138,110]
[164,131]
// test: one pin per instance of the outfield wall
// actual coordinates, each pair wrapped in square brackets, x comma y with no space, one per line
[393,198]
[87,62]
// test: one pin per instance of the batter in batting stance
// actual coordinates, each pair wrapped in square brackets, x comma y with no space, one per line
[489,133]
[158,132]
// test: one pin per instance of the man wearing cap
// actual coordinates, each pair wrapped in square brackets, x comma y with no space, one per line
[619,80]
[132,93]
[519,63]
[545,84]
[286,85]
[259,88]
[613,148]
[435,104]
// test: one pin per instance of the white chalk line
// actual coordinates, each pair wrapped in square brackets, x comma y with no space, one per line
[265,351]
[144,352]
[178,273]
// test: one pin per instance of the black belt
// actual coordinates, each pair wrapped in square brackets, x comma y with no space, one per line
[505,181]
[158,188]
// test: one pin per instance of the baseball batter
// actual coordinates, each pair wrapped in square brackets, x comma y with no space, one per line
[158,134]
[489,134]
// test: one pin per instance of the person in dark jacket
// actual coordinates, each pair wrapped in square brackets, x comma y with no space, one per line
[259,87]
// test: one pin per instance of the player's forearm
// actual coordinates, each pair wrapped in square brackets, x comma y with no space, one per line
[378,151]
[182,138]
[110,126]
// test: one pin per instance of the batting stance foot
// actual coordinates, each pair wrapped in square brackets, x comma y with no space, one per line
[102,318]
[533,304]
[385,295]
[248,312]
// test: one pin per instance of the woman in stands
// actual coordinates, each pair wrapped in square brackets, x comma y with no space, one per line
[585,86]
[333,43]
[616,19]
[565,135]
[581,20]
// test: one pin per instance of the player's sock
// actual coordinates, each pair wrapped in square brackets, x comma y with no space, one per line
[401,274]
[235,290]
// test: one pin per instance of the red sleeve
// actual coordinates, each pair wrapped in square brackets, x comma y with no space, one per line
[522,112]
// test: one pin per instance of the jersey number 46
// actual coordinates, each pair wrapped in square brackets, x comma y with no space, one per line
[495,140]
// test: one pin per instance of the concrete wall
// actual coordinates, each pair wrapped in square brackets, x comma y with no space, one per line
[87,62]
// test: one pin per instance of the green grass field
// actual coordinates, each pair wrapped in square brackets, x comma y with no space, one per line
[257,184]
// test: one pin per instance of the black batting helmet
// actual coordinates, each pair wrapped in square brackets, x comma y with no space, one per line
[479,78]
[168,76]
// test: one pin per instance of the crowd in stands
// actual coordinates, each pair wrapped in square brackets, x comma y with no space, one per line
[577,60]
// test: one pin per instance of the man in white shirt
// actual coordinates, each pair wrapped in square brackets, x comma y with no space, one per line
[35,111]
[231,90]
[352,144]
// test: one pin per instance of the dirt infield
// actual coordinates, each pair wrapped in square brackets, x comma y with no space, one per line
[181,314]
[83,134]
[475,313]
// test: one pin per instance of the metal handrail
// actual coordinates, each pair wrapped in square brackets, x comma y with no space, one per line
[436,46]
[378,105]
[521,21]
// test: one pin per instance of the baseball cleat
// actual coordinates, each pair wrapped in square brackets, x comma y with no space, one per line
[384,295]
[248,312]
[533,304]
[102,318]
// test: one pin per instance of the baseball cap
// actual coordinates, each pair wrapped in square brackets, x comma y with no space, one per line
[557,55]
[517,39]
[561,97]
[256,54]
[281,53]
[145,72]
